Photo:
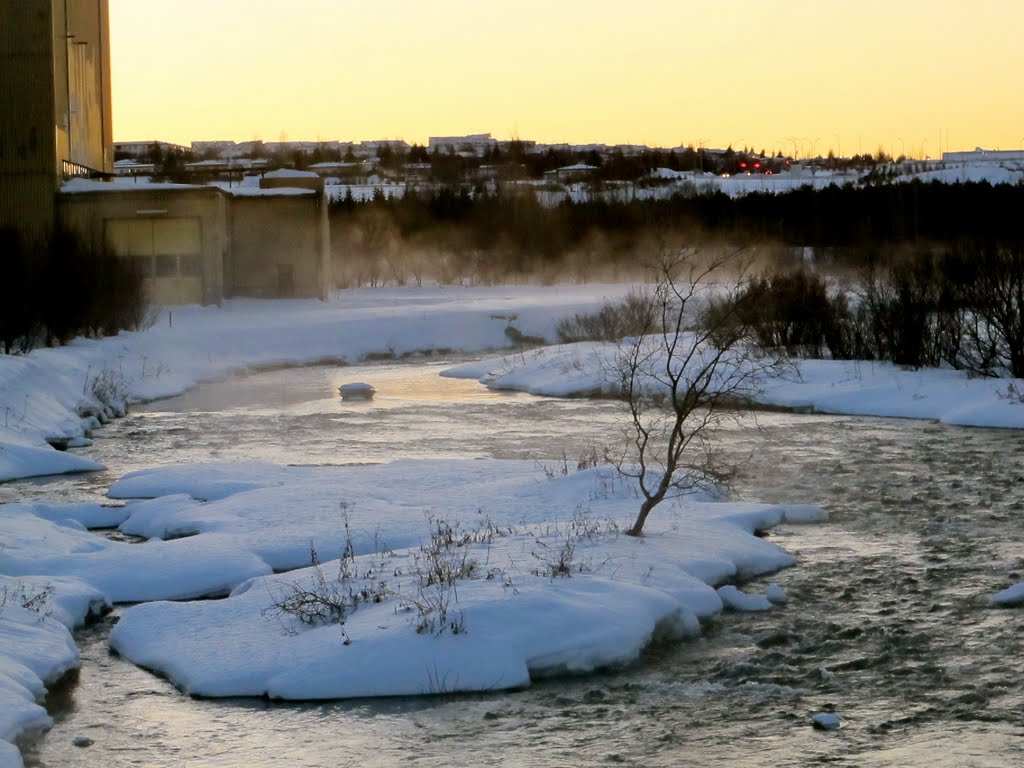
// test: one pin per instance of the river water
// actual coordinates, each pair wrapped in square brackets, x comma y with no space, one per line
[888,622]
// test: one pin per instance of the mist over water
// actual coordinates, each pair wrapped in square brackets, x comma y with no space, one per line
[888,622]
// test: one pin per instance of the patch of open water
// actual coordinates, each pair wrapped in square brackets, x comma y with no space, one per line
[888,623]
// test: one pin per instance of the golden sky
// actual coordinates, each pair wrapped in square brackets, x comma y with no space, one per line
[802,75]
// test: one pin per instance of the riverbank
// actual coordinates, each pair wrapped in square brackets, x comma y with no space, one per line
[58,396]
[854,388]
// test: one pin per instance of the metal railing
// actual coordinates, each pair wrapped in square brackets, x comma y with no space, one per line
[71,170]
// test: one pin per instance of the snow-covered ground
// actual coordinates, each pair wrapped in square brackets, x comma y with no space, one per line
[545,582]
[826,386]
[44,395]
[522,615]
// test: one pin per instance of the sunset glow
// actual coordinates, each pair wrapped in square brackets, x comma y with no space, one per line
[804,76]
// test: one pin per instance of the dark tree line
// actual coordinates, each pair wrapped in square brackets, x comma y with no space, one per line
[52,292]
[513,227]
[962,307]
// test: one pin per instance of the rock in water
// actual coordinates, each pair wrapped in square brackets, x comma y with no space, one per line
[357,390]
[826,721]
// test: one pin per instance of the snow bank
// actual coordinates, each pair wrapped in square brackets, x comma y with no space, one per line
[43,393]
[1010,596]
[827,386]
[88,514]
[523,617]
[20,460]
[121,572]
[36,648]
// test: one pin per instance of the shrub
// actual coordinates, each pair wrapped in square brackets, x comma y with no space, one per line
[65,288]
[439,566]
[631,316]
[791,312]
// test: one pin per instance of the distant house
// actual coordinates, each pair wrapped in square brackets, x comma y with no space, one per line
[472,145]
[143,149]
[132,168]
[350,173]
[979,155]
[570,173]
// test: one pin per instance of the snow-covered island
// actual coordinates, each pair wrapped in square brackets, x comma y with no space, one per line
[442,576]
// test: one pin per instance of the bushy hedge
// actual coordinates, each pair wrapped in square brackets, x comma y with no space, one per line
[63,288]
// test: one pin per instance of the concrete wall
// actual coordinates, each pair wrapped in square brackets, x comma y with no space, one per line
[267,245]
[54,103]
[95,215]
[279,246]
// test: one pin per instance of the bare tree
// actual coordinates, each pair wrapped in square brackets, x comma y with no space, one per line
[683,375]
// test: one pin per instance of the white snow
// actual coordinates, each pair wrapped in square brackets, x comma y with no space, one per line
[520,623]
[121,185]
[776,594]
[741,601]
[289,173]
[1010,596]
[41,393]
[88,514]
[19,459]
[121,572]
[245,191]
[36,648]
[827,386]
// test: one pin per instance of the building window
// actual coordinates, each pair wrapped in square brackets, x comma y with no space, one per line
[166,265]
[162,248]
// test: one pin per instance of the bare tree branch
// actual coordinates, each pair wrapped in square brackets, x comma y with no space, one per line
[681,375]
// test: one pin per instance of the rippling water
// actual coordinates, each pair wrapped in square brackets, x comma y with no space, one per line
[888,622]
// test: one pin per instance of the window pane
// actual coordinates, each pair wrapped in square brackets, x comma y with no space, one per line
[130,237]
[176,236]
[166,266]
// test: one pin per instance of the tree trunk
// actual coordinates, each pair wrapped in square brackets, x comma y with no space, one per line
[641,518]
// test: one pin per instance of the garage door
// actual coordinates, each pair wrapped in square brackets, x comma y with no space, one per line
[167,251]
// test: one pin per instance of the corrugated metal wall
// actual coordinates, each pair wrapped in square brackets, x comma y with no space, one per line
[27,162]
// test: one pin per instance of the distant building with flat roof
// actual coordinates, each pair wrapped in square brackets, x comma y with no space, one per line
[979,155]
[473,144]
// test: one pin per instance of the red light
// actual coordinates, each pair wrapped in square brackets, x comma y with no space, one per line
[743,165]
[757,165]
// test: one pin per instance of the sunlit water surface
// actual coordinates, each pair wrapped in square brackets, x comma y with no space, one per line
[888,622]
